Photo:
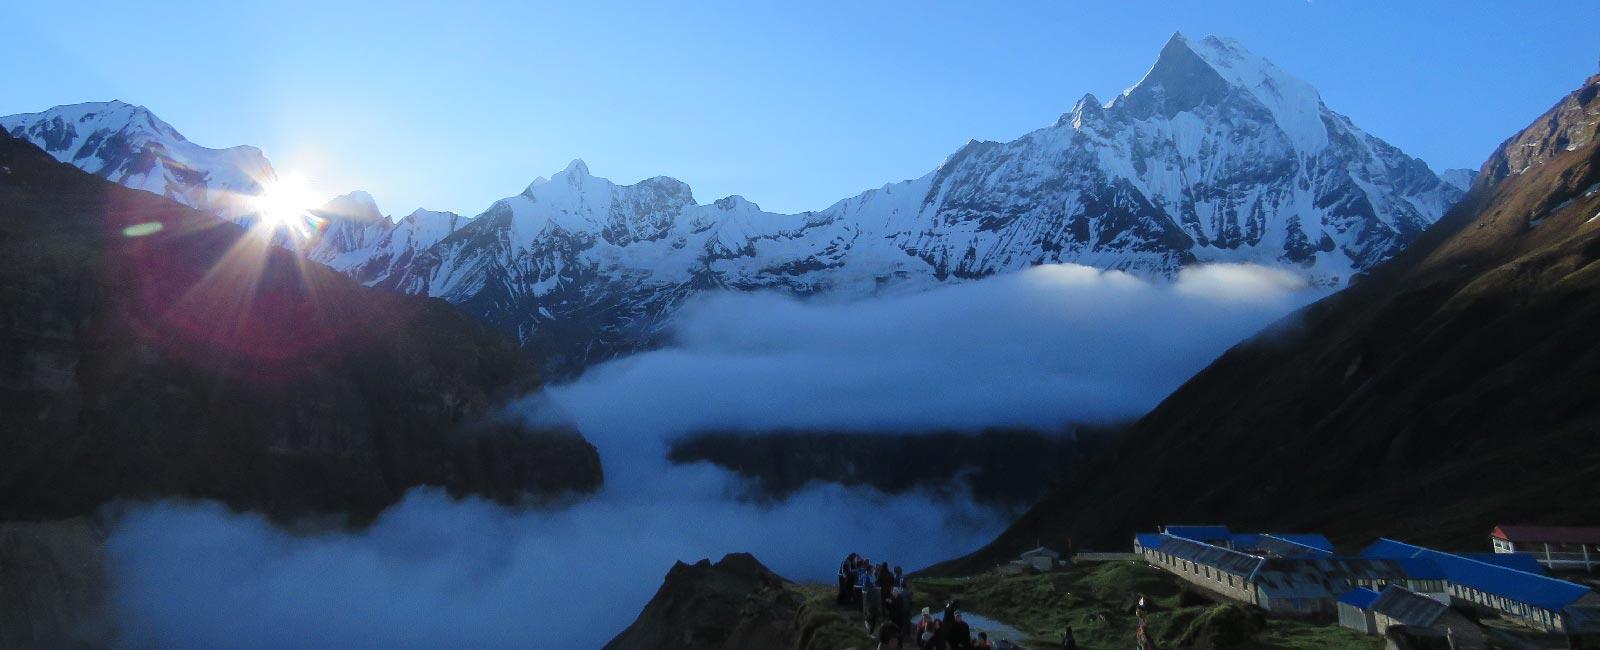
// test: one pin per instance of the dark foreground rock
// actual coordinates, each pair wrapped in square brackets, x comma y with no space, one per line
[734,604]
[53,585]
[149,350]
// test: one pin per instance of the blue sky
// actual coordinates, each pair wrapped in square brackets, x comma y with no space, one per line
[793,105]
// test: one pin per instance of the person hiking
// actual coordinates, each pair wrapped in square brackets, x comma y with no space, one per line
[902,608]
[923,632]
[874,607]
[959,636]
[845,569]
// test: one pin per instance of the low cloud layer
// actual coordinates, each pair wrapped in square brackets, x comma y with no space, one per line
[1051,345]
[439,573]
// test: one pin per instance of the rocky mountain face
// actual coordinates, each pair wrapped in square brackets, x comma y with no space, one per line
[153,350]
[130,146]
[1215,155]
[735,603]
[1442,395]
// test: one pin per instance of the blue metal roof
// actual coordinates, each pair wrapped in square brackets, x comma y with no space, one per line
[1518,561]
[1283,547]
[1360,598]
[1408,607]
[1322,577]
[1206,534]
[1419,568]
[1521,586]
[1314,540]
[1229,561]
[1149,540]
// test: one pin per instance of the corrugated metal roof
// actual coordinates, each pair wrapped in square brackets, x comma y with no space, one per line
[1558,534]
[1408,607]
[1282,547]
[1314,540]
[1360,598]
[1149,540]
[1206,533]
[1323,577]
[1233,562]
[1518,561]
[1521,586]
[1419,568]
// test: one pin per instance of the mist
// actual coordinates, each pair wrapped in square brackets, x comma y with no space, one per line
[1051,345]
[1047,346]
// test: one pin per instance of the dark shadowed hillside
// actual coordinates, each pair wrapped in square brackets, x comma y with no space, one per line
[1009,468]
[152,350]
[1452,389]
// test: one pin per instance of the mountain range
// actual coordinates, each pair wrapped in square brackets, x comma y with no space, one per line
[1215,155]
[1446,393]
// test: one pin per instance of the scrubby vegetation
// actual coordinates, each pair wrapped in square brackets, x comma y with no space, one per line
[1097,601]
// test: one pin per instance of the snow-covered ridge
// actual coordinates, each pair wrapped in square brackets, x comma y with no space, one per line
[1215,155]
[129,145]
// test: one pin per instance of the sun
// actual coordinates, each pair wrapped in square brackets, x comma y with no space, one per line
[285,202]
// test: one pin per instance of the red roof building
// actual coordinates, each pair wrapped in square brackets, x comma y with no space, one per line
[1557,547]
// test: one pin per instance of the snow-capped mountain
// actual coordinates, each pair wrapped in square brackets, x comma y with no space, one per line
[129,145]
[1214,155]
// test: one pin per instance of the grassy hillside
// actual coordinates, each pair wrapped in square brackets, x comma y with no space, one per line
[1096,600]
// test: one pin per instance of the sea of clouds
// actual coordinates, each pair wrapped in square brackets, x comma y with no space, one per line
[1042,347]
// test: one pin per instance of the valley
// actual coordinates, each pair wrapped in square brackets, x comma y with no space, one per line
[1074,379]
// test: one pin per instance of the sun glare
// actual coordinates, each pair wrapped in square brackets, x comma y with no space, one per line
[284,202]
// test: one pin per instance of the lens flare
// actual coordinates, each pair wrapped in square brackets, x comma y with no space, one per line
[285,202]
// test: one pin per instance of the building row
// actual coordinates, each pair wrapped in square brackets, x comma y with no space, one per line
[1559,548]
[1300,575]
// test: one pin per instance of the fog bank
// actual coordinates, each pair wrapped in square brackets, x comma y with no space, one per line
[1043,347]
[1050,345]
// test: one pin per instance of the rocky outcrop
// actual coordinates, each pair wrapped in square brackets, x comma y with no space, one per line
[153,350]
[53,582]
[737,603]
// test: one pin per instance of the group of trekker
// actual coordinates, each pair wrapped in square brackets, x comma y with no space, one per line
[884,598]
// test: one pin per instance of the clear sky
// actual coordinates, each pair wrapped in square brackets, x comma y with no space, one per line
[794,105]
